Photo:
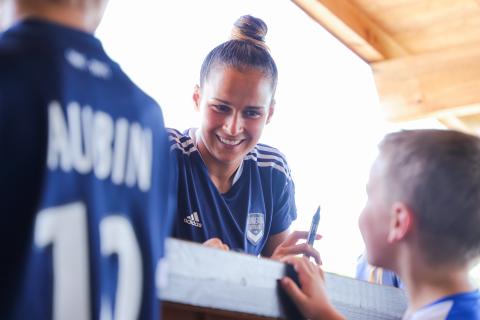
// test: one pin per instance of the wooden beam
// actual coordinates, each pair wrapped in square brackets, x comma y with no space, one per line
[354,28]
[432,84]
[454,123]
[467,123]
[215,284]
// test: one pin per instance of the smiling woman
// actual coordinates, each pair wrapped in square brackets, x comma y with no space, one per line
[241,192]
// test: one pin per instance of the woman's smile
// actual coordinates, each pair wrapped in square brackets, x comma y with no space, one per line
[231,142]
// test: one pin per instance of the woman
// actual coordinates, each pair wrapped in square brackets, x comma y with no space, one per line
[234,192]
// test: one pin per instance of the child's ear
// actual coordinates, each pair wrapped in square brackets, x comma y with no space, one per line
[271,110]
[401,222]
[196,97]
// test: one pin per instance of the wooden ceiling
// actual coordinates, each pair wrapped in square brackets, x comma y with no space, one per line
[424,54]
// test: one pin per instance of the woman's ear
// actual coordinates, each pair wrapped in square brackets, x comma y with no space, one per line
[271,110]
[196,97]
[401,222]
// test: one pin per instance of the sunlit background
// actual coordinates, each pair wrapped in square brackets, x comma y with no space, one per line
[327,119]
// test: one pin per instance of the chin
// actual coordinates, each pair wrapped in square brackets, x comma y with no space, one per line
[372,258]
[382,262]
[231,155]
[230,159]
[374,262]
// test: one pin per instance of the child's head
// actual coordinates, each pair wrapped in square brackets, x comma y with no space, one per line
[235,97]
[84,14]
[424,189]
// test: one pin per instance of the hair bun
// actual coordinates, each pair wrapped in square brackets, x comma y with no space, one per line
[249,28]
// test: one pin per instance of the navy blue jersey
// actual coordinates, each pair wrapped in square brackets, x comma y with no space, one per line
[84,180]
[461,306]
[259,203]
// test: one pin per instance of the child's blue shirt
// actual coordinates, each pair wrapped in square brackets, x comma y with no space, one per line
[461,306]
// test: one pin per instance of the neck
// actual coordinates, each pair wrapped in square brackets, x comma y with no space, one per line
[79,17]
[426,283]
[220,173]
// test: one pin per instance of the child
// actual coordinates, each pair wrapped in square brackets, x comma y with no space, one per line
[84,172]
[422,221]
[234,192]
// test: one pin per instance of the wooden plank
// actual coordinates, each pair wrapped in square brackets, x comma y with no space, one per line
[472,122]
[433,84]
[234,285]
[467,123]
[175,311]
[354,28]
[424,25]
[455,123]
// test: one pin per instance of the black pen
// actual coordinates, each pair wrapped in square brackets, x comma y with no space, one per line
[313,228]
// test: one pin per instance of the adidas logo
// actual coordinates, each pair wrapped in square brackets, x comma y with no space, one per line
[193,220]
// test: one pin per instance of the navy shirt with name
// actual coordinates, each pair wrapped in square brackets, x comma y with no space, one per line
[85,174]
[260,202]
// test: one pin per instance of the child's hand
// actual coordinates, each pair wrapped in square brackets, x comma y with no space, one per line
[290,247]
[216,243]
[312,298]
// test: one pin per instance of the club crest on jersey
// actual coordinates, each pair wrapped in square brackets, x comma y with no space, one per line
[255,227]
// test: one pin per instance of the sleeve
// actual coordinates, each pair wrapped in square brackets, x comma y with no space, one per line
[173,192]
[23,135]
[168,186]
[285,211]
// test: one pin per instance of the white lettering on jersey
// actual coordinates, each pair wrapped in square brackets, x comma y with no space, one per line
[119,150]
[92,141]
[80,61]
[58,149]
[65,229]
[81,157]
[102,150]
[139,157]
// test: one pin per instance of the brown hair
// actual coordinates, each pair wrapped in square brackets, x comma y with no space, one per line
[437,174]
[245,50]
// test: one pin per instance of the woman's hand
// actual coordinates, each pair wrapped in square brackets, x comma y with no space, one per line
[311,298]
[290,247]
[216,243]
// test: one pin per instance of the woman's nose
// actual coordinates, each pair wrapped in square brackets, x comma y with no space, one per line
[234,125]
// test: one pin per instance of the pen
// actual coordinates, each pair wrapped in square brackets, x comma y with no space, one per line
[313,228]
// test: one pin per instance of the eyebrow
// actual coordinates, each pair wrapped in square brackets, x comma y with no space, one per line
[221,101]
[228,103]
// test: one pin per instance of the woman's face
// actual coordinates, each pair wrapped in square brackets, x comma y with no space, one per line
[234,106]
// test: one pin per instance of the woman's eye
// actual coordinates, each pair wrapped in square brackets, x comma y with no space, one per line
[252,114]
[221,107]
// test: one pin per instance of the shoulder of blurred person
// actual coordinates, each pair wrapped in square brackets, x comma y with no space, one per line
[84,162]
